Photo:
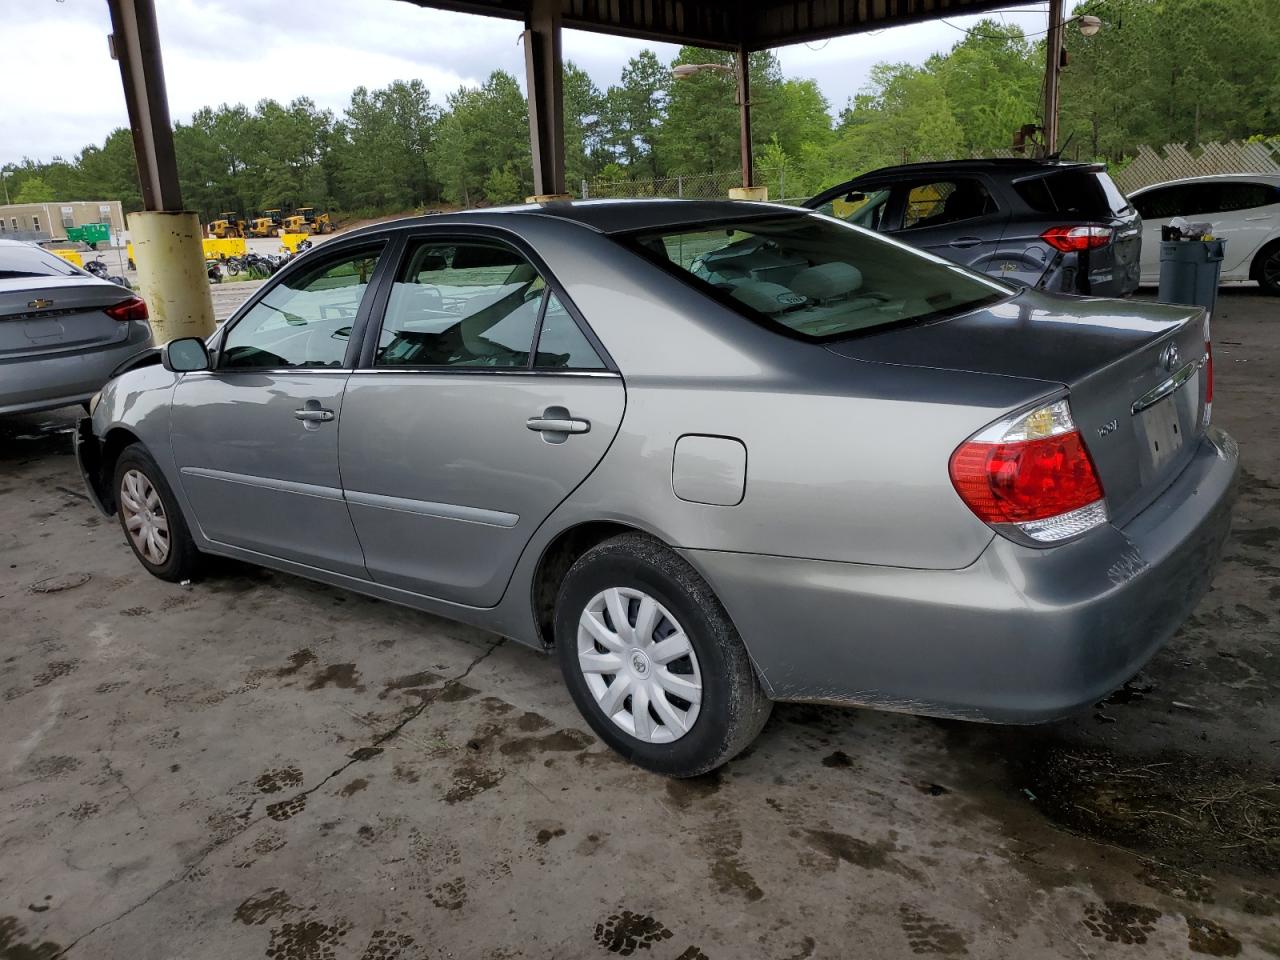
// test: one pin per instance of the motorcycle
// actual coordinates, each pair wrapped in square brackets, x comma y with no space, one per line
[99,269]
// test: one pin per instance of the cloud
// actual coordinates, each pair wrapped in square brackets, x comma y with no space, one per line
[62,90]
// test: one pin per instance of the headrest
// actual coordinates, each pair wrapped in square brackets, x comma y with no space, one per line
[765,297]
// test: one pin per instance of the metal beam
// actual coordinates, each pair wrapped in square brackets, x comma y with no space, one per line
[135,44]
[744,115]
[544,74]
[1052,73]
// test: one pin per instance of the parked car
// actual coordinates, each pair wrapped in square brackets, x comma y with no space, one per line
[715,454]
[62,330]
[1244,210]
[1063,227]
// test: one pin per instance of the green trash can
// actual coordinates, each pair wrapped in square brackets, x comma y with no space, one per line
[1189,271]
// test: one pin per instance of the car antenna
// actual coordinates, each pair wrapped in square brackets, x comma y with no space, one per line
[1057,154]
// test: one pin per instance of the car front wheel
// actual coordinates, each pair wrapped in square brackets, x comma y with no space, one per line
[151,519]
[653,661]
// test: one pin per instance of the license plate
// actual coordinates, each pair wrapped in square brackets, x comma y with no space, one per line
[1164,435]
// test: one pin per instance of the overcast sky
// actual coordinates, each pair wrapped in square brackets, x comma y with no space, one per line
[61,90]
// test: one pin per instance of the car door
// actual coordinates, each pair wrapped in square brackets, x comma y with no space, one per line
[955,218]
[255,438]
[459,435]
[1157,206]
[1246,219]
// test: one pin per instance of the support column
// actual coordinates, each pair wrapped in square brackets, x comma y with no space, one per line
[544,70]
[1052,72]
[166,239]
[748,190]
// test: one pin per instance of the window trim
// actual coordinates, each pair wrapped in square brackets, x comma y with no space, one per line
[458,233]
[388,250]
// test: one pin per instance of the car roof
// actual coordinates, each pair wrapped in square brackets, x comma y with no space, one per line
[989,165]
[602,216]
[1272,178]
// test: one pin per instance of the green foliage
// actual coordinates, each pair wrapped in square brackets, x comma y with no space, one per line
[1160,71]
[35,190]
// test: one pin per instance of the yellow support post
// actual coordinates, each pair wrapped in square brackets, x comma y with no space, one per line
[171,273]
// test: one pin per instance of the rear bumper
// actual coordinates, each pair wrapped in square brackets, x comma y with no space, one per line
[29,384]
[1023,635]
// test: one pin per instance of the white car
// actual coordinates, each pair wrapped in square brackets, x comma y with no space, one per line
[1244,209]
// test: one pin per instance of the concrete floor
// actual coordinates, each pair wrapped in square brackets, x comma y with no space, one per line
[254,765]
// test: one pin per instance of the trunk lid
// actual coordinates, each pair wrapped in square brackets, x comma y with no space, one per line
[1116,358]
[43,315]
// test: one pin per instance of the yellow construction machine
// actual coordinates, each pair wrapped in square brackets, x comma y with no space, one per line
[226,227]
[267,225]
[307,220]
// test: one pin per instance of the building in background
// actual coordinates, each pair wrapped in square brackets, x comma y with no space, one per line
[49,221]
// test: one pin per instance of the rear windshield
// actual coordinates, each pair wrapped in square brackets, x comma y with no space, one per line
[18,260]
[816,278]
[1089,193]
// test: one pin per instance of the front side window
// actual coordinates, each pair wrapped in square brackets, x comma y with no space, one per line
[305,320]
[812,277]
[860,209]
[945,201]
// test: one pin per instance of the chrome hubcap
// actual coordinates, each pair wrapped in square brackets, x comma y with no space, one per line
[144,517]
[639,665]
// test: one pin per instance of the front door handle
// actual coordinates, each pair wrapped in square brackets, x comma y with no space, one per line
[963,242]
[556,424]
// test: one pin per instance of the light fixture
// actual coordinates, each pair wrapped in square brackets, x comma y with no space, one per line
[1089,25]
[686,70]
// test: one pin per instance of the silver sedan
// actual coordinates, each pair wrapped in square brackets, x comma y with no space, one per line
[62,330]
[714,455]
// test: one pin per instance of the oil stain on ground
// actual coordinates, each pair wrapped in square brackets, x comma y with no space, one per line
[925,934]
[1118,922]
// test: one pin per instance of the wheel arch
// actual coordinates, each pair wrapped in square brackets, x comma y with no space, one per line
[1255,264]
[557,557]
[113,443]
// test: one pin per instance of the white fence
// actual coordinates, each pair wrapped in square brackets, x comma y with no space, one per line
[1177,160]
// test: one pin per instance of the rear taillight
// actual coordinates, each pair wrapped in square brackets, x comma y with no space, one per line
[1032,471]
[1208,374]
[1071,239]
[135,308]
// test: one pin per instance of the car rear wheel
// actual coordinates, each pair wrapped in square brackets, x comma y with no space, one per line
[1266,268]
[151,519]
[653,661]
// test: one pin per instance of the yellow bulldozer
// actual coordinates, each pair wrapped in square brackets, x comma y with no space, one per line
[267,225]
[227,226]
[306,220]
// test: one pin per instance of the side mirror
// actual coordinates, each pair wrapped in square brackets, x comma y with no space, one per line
[185,356]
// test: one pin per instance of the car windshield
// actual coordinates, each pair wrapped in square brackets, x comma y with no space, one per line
[21,260]
[811,276]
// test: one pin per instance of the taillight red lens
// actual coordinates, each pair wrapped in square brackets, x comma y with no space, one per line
[1025,480]
[1070,239]
[135,308]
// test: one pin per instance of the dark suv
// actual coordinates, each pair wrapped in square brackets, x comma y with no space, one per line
[1058,226]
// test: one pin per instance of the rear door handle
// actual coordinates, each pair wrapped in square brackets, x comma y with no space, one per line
[963,242]
[556,425]
[316,415]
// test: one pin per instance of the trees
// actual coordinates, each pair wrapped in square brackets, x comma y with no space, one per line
[378,153]
[34,190]
[484,130]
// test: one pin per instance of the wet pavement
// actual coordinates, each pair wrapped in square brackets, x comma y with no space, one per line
[258,766]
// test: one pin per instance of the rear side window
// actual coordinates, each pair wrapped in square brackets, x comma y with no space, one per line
[814,278]
[18,260]
[945,201]
[1244,196]
[1086,193]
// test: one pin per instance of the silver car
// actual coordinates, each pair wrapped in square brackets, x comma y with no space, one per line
[62,330]
[713,454]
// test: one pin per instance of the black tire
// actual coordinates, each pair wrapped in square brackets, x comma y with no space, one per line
[1266,268]
[182,559]
[733,708]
